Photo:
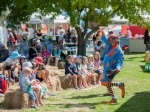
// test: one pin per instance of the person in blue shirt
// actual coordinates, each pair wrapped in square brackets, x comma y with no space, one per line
[50,45]
[112,59]
[55,55]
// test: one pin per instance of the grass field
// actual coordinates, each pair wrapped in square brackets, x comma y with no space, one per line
[137,99]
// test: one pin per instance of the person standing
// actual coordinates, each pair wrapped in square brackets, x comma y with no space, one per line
[4,53]
[31,36]
[147,39]
[61,34]
[68,34]
[129,33]
[57,34]
[11,37]
[73,35]
[113,58]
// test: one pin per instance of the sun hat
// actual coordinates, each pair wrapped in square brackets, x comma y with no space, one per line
[22,57]
[39,60]
[112,36]
[14,55]
[27,64]
[74,56]
[79,56]
[90,56]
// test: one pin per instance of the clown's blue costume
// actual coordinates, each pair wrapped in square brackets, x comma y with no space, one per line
[112,59]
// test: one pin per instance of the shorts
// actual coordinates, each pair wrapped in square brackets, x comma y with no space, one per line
[8,67]
[98,71]
[68,74]
[74,39]
[111,77]
[32,96]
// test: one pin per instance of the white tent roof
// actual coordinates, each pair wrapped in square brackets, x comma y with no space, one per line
[114,27]
[46,19]
[117,20]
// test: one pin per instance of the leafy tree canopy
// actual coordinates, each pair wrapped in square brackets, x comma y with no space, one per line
[98,11]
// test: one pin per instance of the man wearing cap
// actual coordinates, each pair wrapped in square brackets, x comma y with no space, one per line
[112,59]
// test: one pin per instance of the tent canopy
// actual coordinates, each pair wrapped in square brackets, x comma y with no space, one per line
[118,21]
[47,19]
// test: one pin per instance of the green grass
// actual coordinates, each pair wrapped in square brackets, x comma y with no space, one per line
[137,99]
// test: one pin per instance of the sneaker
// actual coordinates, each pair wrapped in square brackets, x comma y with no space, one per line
[112,101]
[122,87]
[98,82]
[76,88]
[10,79]
[33,106]
[94,82]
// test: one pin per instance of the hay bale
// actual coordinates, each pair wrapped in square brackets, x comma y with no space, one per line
[56,85]
[0,66]
[51,67]
[61,65]
[56,73]
[16,100]
[65,82]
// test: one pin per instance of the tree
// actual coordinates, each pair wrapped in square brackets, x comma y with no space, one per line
[93,13]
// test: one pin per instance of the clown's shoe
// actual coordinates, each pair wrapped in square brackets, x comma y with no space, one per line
[122,87]
[112,101]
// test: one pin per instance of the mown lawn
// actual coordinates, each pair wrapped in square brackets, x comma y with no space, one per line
[137,99]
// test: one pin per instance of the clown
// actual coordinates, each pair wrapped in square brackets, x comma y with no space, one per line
[112,58]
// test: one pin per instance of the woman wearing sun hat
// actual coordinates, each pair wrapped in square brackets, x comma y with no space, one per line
[10,64]
[42,72]
[112,58]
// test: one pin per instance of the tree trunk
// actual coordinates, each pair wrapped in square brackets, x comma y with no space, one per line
[81,44]
[81,41]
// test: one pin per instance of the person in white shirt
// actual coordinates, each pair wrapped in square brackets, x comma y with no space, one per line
[73,35]
[129,33]
[49,33]
[61,34]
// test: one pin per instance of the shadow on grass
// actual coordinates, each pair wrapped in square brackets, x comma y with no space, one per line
[142,67]
[138,103]
[132,53]
[85,97]
[78,105]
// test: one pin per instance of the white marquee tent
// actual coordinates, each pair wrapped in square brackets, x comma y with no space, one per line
[47,19]
[3,35]
[120,21]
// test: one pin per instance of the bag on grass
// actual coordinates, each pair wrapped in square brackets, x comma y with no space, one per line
[3,84]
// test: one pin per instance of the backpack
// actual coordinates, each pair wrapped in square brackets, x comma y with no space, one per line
[3,84]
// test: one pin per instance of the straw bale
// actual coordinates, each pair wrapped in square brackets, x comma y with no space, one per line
[61,65]
[56,73]
[56,85]
[65,82]
[51,72]
[51,67]
[0,66]
[16,100]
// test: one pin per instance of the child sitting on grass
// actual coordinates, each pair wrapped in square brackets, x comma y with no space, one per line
[27,86]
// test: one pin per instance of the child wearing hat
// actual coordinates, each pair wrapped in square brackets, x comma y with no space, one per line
[10,64]
[42,72]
